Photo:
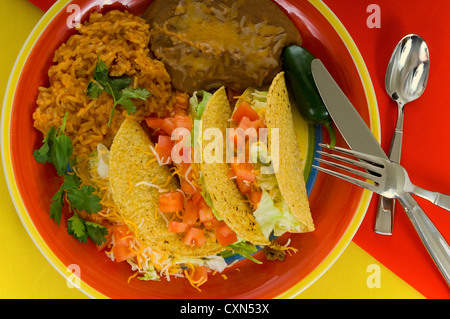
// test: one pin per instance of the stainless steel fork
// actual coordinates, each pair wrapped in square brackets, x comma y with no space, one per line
[376,174]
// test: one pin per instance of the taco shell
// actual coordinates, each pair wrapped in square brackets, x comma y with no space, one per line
[225,195]
[132,162]
[290,167]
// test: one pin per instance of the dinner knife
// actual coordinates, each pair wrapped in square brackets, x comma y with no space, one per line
[359,138]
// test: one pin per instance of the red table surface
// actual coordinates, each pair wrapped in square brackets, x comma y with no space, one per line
[424,155]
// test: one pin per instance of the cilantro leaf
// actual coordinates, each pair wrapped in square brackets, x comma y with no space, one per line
[101,72]
[94,90]
[119,83]
[57,149]
[127,94]
[82,230]
[42,155]
[117,87]
[84,199]
[57,205]
[71,181]
[60,153]
[97,233]
[77,228]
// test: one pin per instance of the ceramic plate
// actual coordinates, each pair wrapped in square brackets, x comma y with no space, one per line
[337,207]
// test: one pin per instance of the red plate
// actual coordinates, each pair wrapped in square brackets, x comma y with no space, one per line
[337,207]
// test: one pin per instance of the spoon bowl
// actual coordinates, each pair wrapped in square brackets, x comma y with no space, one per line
[408,70]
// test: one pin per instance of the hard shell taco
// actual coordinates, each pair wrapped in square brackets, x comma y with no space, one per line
[263,192]
[135,179]
[225,196]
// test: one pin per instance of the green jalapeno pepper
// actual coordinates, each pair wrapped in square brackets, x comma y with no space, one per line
[300,81]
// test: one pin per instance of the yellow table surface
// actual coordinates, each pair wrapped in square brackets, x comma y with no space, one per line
[25,272]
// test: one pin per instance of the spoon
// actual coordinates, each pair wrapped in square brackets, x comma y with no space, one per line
[405,81]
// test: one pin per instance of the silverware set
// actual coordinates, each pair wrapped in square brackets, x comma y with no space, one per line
[367,165]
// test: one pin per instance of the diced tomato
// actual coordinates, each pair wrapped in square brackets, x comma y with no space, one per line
[197,197]
[187,187]
[244,186]
[246,130]
[255,198]
[230,174]
[167,125]
[224,234]
[243,171]
[211,224]
[181,153]
[205,213]
[177,227]
[171,202]
[154,122]
[121,231]
[190,214]
[194,237]
[246,124]
[199,275]
[244,109]
[122,251]
[238,136]
[184,121]
[233,136]
[184,168]
[122,243]
[162,125]
[164,147]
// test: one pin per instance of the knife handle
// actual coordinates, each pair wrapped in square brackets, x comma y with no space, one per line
[434,242]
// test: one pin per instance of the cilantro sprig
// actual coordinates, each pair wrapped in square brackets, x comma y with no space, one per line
[117,87]
[57,149]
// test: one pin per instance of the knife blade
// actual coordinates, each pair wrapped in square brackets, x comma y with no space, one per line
[351,125]
[359,138]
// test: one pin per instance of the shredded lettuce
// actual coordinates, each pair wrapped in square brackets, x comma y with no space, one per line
[242,248]
[103,161]
[259,100]
[275,217]
[259,154]
[267,215]
[207,198]
[287,223]
[150,274]
[197,107]
[215,262]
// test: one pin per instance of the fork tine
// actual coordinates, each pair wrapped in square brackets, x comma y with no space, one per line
[350,179]
[350,170]
[365,165]
[363,156]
